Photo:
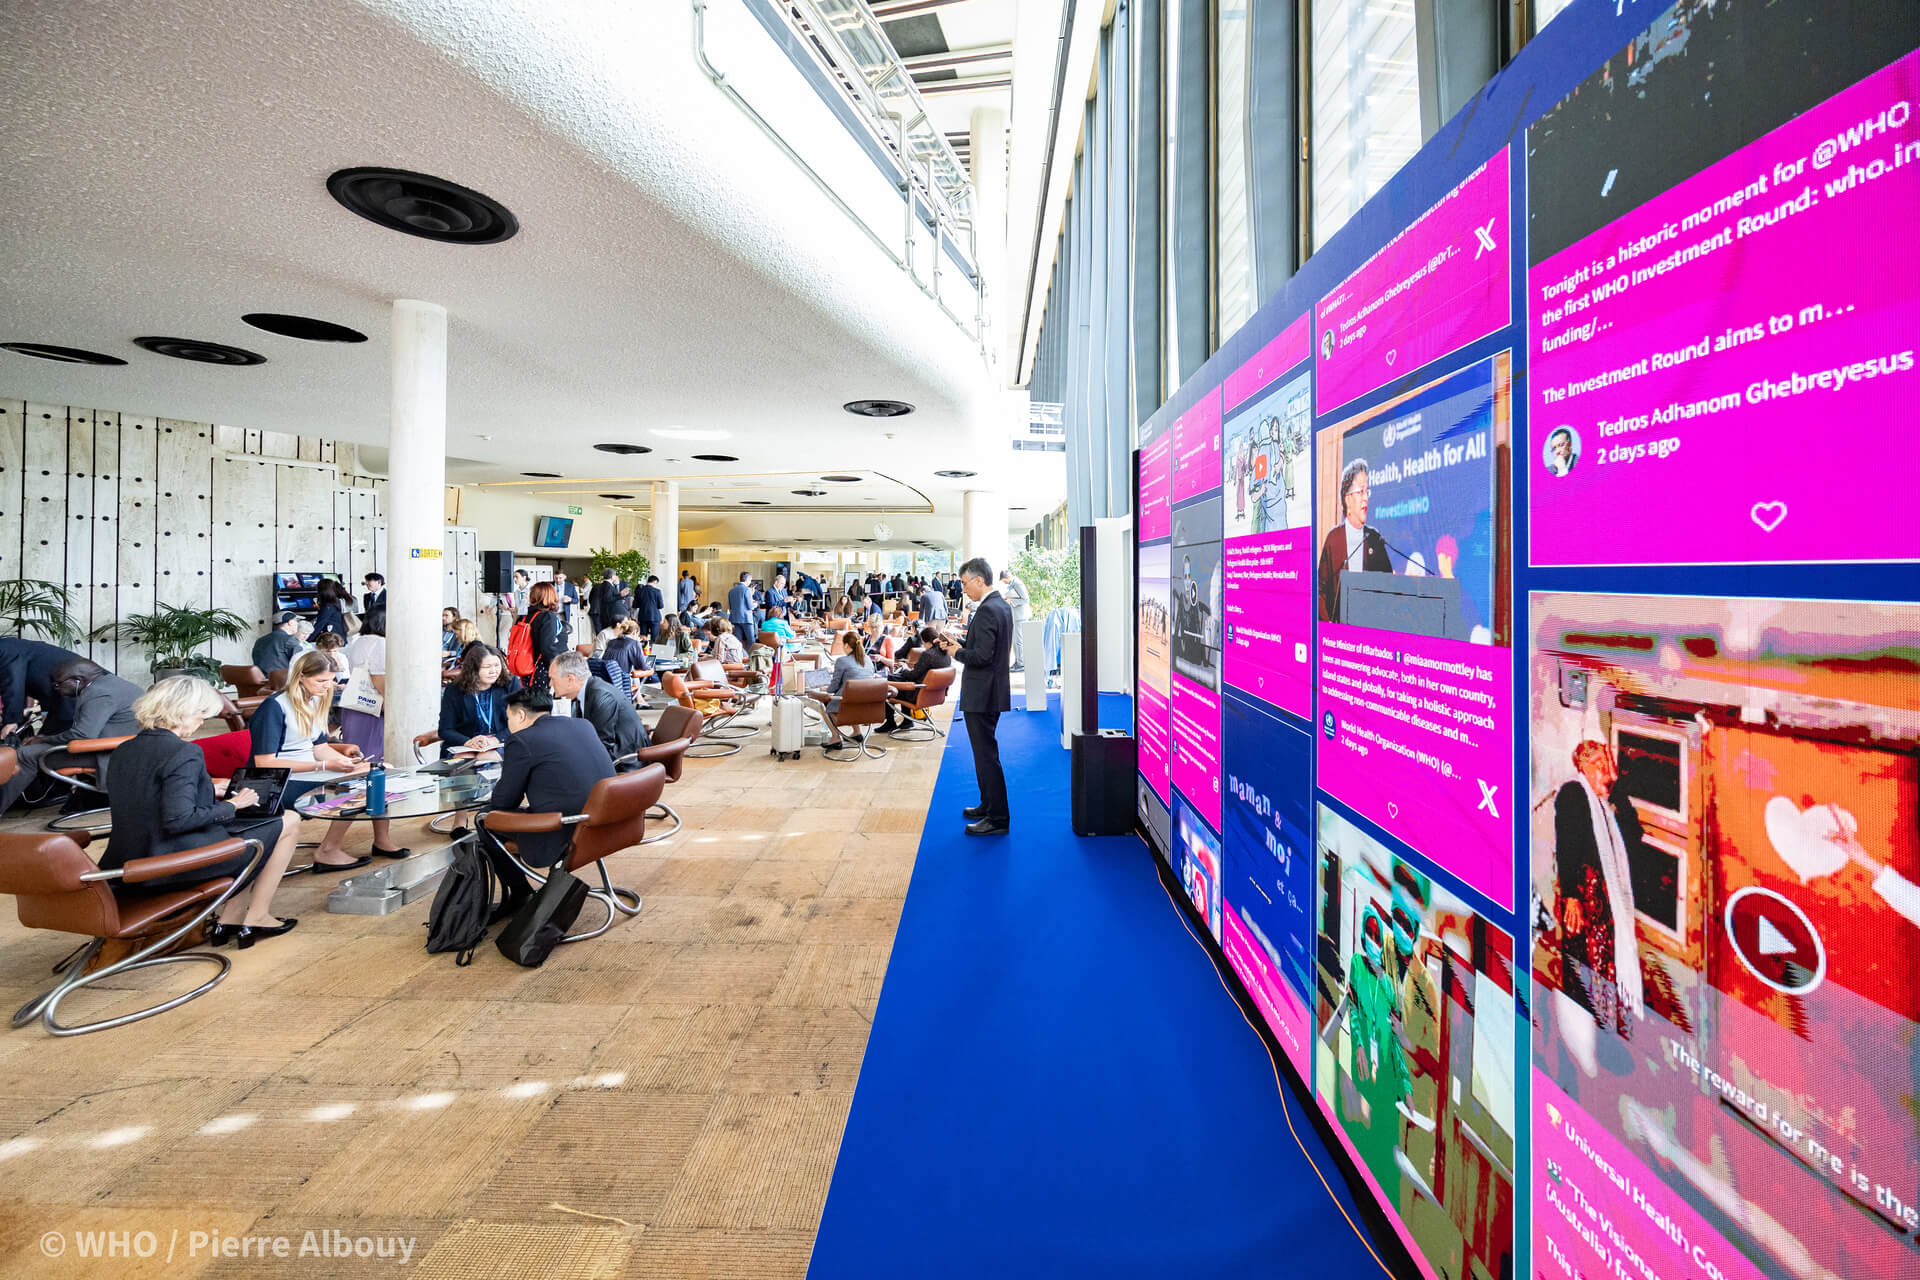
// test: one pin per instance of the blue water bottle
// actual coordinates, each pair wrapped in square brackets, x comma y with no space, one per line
[377,789]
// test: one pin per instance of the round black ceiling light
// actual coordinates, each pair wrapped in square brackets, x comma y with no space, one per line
[842,479]
[617,497]
[755,502]
[624,449]
[305,328]
[809,493]
[423,205]
[956,475]
[542,475]
[64,355]
[715,457]
[878,408]
[201,352]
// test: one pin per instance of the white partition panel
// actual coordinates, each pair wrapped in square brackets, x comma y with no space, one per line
[138,528]
[243,546]
[104,571]
[362,512]
[79,519]
[12,464]
[44,494]
[185,556]
[303,525]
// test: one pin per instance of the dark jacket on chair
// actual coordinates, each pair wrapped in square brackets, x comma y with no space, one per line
[612,717]
[163,802]
[552,765]
[985,654]
[26,671]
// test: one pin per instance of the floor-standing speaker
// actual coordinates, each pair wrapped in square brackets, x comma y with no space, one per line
[1103,775]
[496,572]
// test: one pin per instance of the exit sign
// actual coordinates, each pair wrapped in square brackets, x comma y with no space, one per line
[575,511]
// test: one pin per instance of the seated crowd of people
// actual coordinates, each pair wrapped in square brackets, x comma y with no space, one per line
[567,719]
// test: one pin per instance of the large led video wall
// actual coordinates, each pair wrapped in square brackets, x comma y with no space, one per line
[1529,657]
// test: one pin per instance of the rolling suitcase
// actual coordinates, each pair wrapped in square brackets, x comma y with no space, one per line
[789,727]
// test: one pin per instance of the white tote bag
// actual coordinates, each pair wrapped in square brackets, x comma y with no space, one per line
[360,695]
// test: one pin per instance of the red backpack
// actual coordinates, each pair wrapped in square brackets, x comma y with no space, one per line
[520,649]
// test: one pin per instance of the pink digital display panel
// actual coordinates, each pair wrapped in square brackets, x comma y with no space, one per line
[1437,286]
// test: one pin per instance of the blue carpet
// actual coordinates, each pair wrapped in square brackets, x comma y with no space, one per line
[1056,1083]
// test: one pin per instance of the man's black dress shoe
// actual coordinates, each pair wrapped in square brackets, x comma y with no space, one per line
[989,827]
[973,812]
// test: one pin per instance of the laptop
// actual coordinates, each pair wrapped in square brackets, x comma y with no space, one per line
[269,784]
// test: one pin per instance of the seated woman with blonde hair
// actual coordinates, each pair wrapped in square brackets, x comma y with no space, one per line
[164,801]
[290,732]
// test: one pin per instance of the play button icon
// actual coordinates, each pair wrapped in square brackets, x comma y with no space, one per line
[1775,941]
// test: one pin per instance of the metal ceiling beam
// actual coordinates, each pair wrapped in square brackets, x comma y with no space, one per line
[894,10]
[959,57]
[966,84]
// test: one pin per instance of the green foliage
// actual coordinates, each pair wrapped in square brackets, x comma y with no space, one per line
[176,637]
[632,566]
[1052,578]
[28,605]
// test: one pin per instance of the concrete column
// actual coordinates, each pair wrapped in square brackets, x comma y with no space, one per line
[987,158]
[416,522]
[663,551]
[983,525]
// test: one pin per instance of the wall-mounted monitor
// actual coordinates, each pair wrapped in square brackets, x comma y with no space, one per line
[552,531]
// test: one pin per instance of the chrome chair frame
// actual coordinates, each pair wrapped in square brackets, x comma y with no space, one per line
[72,822]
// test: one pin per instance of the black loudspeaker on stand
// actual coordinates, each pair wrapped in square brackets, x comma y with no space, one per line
[1103,759]
[496,572]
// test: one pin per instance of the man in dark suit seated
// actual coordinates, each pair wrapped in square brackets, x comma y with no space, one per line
[588,697]
[26,671]
[550,763]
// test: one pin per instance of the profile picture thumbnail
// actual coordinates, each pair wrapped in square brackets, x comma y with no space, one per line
[1561,452]
[1326,345]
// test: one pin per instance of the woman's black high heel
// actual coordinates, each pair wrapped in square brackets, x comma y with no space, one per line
[219,935]
[248,934]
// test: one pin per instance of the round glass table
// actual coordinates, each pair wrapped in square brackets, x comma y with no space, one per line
[345,801]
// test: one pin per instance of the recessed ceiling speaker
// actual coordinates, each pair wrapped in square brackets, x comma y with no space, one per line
[956,475]
[809,493]
[625,449]
[715,457]
[878,408]
[304,328]
[200,352]
[423,205]
[842,479]
[542,475]
[617,497]
[64,355]
[755,502]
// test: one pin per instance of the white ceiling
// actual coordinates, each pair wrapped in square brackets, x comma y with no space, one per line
[166,162]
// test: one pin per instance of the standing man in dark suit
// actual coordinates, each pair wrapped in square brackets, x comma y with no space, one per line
[986,691]
[687,594]
[601,599]
[777,594]
[933,605]
[26,671]
[375,596]
[551,763]
[649,606]
[592,699]
[740,605]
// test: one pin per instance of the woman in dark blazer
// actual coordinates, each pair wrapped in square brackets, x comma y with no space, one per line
[334,600]
[163,801]
[473,706]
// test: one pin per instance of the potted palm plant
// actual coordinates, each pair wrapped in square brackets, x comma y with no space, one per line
[28,605]
[176,637]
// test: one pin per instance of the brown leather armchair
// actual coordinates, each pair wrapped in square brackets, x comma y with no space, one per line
[77,764]
[675,731]
[863,704]
[57,886]
[918,700]
[615,818]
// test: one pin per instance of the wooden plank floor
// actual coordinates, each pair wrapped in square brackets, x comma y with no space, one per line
[665,1100]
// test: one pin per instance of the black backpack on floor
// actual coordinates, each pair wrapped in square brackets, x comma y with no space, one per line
[462,905]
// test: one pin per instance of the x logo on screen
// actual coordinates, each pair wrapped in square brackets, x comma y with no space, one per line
[1486,796]
[1485,236]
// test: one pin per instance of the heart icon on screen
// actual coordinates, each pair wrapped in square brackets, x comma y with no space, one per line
[1768,515]
[1391,353]
[1393,810]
